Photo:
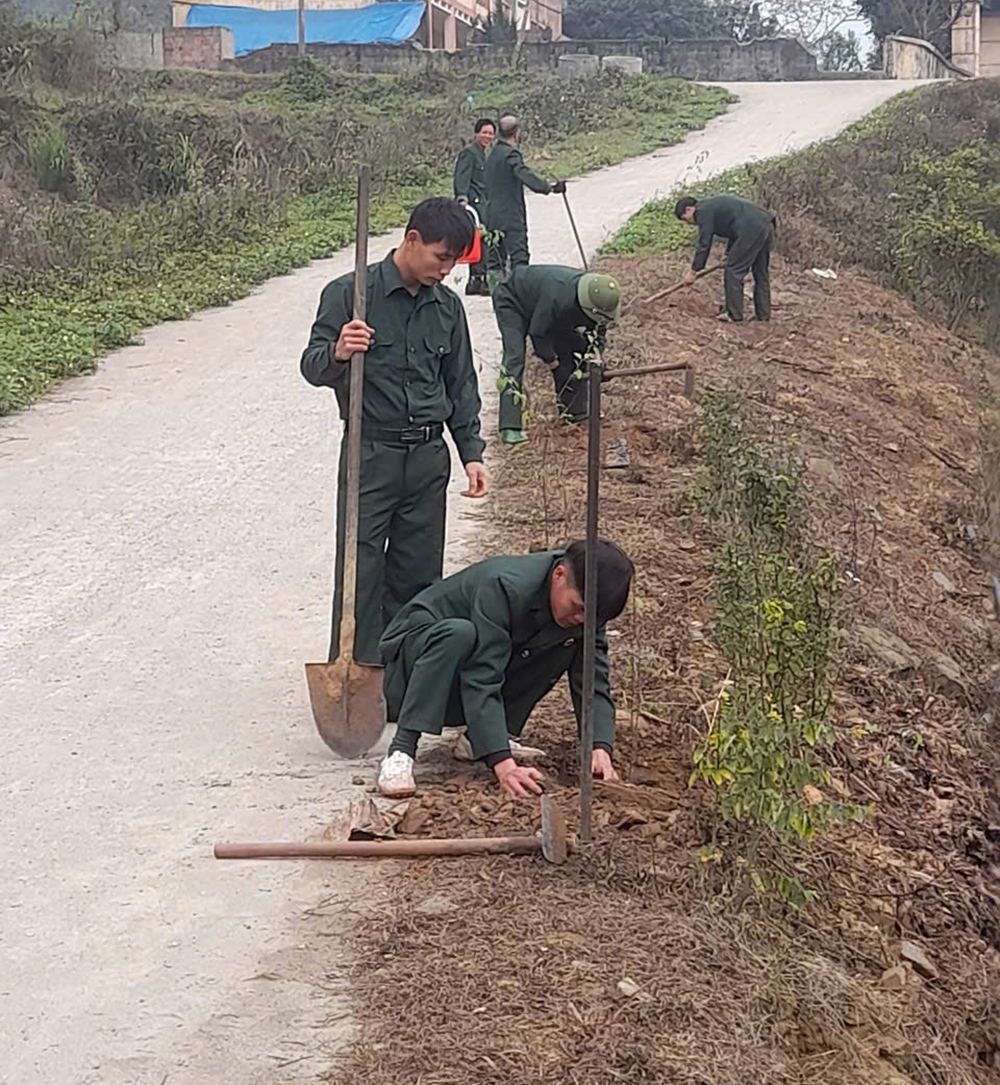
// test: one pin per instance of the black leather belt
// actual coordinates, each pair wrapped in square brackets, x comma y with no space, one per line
[408,435]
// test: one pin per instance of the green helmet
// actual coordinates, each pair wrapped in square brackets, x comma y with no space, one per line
[599,297]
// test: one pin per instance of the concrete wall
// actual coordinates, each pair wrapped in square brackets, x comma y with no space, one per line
[206,47]
[132,49]
[724,59]
[912,58]
[386,59]
[989,55]
[108,15]
[766,59]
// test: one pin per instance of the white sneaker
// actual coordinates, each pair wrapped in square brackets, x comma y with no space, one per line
[462,750]
[395,776]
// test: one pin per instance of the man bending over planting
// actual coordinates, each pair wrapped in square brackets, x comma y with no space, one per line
[481,648]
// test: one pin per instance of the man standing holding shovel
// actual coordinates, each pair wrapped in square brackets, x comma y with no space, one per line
[418,378]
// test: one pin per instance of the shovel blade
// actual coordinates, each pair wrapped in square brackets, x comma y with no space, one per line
[347,705]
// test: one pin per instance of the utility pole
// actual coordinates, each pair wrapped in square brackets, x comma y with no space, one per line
[302,28]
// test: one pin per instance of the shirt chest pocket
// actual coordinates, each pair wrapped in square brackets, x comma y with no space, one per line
[435,347]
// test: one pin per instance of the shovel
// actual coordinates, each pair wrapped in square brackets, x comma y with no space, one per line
[346,695]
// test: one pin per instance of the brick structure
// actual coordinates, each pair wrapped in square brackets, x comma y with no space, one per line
[206,47]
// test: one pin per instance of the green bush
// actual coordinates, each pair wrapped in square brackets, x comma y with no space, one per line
[778,627]
[51,161]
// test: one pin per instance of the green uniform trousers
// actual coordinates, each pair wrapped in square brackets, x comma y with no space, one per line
[423,684]
[401,528]
[750,252]
[570,346]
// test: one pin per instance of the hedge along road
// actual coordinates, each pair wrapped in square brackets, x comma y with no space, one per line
[167,536]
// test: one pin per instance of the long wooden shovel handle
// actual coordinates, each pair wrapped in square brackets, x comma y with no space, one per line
[382,849]
[355,398]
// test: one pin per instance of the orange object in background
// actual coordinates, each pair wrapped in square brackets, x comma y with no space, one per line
[474,253]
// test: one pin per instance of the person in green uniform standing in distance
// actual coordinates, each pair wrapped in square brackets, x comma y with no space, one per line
[419,377]
[470,188]
[749,231]
[506,179]
[566,313]
[480,649]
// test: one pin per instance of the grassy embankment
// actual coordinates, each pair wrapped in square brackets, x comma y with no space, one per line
[137,198]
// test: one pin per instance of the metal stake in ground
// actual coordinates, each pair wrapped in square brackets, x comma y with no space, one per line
[595,375]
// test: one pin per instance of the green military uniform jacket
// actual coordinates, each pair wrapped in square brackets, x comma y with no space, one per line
[546,297]
[470,176]
[520,652]
[506,178]
[419,369]
[730,217]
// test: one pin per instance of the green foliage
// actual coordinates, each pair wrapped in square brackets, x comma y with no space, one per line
[182,189]
[305,81]
[777,625]
[839,51]
[656,18]
[948,246]
[50,160]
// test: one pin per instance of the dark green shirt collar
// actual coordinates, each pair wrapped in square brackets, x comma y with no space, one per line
[392,281]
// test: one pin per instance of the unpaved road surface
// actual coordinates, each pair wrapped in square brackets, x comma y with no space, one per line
[167,530]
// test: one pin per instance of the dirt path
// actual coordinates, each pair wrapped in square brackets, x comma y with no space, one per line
[167,530]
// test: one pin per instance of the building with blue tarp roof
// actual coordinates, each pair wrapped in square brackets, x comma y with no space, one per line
[387,23]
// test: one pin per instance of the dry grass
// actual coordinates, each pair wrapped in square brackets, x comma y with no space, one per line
[508,970]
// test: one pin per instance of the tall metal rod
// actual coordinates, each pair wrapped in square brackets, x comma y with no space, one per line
[576,232]
[302,28]
[595,373]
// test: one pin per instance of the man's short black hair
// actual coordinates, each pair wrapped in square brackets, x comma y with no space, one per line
[614,576]
[683,204]
[483,122]
[442,219]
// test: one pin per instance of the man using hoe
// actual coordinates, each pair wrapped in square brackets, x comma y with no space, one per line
[749,232]
[506,179]
[470,189]
[480,649]
[566,312]
[418,378]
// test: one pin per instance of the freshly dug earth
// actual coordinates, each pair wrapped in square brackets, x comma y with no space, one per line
[639,961]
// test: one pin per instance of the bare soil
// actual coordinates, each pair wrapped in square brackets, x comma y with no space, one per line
[638,962]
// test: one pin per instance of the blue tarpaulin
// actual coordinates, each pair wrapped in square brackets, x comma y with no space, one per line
[388,23]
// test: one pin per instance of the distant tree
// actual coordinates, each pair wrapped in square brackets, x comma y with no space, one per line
[498,26]
[810,21]
[745,21]
[644,19]
[927,19]
[839,51]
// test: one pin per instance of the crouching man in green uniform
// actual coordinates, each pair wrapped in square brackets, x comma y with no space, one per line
[480,649]
[566,312]
[419,377]
[749,231]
